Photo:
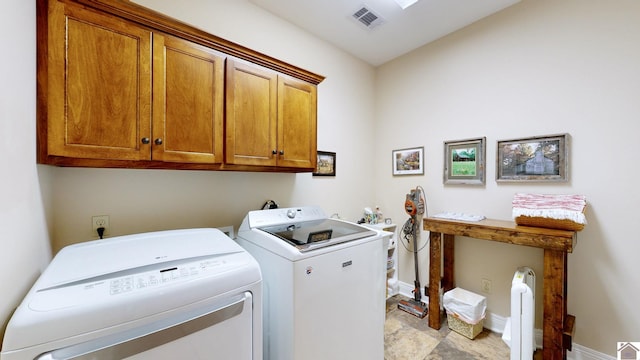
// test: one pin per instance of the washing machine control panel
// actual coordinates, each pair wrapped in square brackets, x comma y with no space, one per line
[272,217]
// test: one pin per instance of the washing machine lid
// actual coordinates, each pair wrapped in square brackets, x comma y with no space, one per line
[306,228]
[311,235]
[105,283]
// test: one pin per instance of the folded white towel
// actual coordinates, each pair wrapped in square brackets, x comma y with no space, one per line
[459,216]
[559,207]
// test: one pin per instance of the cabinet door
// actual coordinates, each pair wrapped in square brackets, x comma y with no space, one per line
[296,123]
[251,115]
[99,85]
[188,86]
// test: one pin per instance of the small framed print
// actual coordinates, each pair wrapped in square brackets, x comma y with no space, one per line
[408,161]
[464,161]
[542,158]
[326,164]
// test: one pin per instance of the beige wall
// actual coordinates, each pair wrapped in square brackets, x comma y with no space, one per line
[145,200]
[41,204]
[540,67]
[24,243]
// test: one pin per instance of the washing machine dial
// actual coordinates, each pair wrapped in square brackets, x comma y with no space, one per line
[291,213]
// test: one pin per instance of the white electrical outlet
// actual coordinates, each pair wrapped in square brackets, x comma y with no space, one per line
[100,221]
[485,285]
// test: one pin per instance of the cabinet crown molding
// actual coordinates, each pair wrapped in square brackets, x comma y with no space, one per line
[160,22]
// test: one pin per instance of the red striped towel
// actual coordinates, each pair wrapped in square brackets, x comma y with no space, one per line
[560,207]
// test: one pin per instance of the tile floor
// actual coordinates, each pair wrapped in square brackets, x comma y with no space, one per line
[410,338]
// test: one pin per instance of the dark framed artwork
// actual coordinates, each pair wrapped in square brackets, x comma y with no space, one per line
[464,161]
[326,164]
[408,161]
[541,158]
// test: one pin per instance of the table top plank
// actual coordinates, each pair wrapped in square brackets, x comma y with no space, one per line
[505,231]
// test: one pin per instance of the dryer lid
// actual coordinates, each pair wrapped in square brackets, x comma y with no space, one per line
[100,286]
[125,253]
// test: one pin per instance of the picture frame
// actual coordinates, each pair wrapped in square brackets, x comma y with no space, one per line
[408,161]
[464,162]
[325,164]
[539,158]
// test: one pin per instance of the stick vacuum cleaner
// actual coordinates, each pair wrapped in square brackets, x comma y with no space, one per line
[414,206]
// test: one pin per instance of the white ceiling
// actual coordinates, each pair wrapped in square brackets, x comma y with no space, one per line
[401,32]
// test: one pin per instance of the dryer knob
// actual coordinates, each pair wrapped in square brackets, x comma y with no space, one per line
[291,213]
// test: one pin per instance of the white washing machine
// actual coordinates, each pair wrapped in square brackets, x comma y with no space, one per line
[180,294]
[324,284]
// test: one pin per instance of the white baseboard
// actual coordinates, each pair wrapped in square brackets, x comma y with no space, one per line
[496,323]
[584,353]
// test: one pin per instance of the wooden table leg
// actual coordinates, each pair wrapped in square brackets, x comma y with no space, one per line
[448,281]
[555,304]
[435,265]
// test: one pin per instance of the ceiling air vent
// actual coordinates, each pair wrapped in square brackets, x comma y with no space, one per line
[365,16]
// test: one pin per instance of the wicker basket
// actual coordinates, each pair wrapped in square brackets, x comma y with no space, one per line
[463,328]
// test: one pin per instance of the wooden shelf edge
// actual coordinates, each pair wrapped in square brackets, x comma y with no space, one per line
[61,161]
[504,231]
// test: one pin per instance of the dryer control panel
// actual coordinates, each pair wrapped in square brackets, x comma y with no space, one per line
[146,278]
[172,274]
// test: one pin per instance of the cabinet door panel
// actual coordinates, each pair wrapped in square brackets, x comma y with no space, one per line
[251,115]
[188,102]
[297,123]
[99,86]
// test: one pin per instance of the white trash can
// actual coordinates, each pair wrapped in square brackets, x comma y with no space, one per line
[465,311]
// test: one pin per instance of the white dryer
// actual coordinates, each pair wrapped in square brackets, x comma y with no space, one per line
[179,294]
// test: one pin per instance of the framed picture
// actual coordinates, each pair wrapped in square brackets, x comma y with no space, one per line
[326,164]
[544,158]
[464,161]
[408,161]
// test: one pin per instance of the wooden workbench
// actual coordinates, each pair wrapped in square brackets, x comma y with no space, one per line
[558,326]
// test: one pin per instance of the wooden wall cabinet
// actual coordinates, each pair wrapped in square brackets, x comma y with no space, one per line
[120,85]
[117,91]
[270,118]
[297,123]
[97,85]
[188,102]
